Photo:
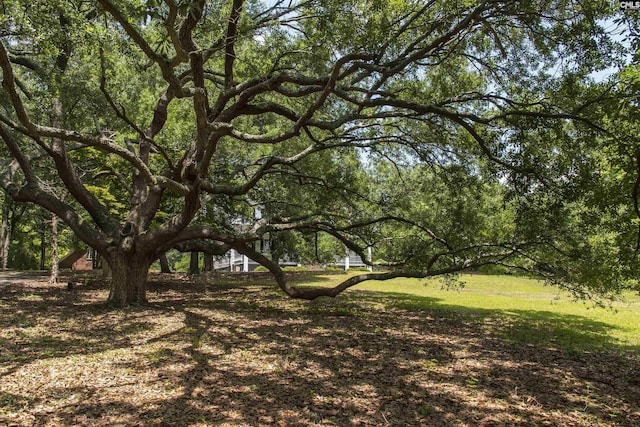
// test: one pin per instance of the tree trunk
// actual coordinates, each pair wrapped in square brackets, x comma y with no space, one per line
[5,234]
[128,279]
[164,264]
[194,267]
[106,269]
[54,249]
[208,262]
[43,247]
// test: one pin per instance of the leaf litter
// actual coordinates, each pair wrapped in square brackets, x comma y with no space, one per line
[248,356]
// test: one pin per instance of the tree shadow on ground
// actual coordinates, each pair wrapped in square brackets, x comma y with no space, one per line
[529,327]
[247,356]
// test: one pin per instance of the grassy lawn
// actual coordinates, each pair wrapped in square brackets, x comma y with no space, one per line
[519,309]
[540,313]
[502,351]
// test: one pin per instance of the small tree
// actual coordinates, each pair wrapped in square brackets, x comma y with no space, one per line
[53,277]
[5,231]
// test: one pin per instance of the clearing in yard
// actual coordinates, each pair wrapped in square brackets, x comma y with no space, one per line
[501,351]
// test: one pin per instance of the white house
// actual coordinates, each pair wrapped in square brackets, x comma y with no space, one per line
[235,261]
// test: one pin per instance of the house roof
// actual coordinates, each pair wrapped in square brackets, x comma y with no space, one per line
[71,258]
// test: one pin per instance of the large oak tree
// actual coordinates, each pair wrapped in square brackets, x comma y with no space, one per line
[447,135]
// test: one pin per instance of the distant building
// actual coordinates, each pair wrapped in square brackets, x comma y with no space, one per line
[235,261]
[81,259]
[352,260]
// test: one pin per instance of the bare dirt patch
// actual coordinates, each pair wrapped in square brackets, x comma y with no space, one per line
[244,355]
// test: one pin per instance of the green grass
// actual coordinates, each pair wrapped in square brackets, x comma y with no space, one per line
[518,309]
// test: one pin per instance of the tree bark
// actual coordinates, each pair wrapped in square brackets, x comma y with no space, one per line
[43,248]
[5,234]
[128,278]
[164,264]
[194,267]
[106,269]
[54,249]
[208,262]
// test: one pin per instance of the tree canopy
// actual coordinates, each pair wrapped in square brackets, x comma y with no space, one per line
[445,135]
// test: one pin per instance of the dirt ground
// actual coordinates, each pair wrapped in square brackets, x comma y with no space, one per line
[243,355]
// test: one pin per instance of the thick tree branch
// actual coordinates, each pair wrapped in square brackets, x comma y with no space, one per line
[163,63]
[170,24]
[29,63]
[9,85]
[18,155]
[31,193]
[102,143]
[156,126]
[230,40]
[72,182]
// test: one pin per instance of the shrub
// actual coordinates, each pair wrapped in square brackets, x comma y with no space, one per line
[296,268]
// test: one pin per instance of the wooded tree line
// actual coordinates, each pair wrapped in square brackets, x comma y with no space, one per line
[447,135]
